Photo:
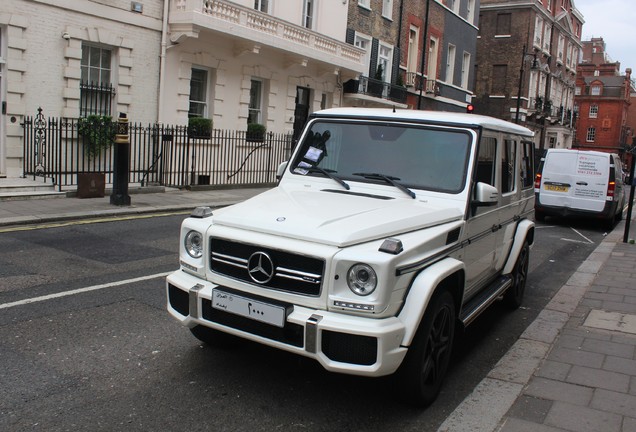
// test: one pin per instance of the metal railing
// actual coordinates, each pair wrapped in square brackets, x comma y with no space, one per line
[176,156]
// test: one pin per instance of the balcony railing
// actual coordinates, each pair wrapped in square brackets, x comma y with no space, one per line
[376,88]
[189,16]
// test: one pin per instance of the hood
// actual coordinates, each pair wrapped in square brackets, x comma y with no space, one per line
[331,218]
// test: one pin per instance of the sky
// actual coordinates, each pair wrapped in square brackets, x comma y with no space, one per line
[615,22]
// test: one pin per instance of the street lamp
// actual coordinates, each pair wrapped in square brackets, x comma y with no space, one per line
[535,66]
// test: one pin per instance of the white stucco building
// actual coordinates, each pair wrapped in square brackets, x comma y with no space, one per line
[267,61]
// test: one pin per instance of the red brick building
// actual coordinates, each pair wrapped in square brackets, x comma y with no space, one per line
[527,53]
[602,101]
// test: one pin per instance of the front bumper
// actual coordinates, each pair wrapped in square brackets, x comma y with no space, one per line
[339,342]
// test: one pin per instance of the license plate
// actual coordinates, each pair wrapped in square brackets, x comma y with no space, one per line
[555,188]
[249,308]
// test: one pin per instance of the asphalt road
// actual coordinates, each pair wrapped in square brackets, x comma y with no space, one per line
[86,343]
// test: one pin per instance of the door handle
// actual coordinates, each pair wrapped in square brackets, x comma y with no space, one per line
[581,183]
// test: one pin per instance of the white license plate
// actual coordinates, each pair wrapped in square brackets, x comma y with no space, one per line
[249,308]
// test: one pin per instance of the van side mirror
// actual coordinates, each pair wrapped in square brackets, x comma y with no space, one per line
[281,169]
[485,195]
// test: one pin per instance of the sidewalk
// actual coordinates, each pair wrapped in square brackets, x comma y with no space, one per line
[573,369]
[30,211]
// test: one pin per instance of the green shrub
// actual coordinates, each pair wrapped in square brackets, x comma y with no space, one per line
[199,127]
[98,132]
[255,132]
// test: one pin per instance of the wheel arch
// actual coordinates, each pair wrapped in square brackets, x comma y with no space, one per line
[448,274]
[523,233]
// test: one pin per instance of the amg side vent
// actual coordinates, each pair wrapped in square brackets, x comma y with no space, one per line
[452,236]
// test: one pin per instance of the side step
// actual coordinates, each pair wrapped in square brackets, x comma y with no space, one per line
[485,298]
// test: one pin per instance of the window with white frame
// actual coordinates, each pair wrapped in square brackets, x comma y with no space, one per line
[577,91]
[198,93]
[412,63]
[365,3]
[453,5]
[470,14]
[387,9]
[96,86]
[450,63]
[255,112]
[385,59]
[363,41]
[591,134]
[308,14]
[546,37]
[465,69]
[538,31]
[593,111]
[595,90]
[560,48]
[262,5]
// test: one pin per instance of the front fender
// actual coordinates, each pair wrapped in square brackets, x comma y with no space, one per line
[525,230]
[422,289]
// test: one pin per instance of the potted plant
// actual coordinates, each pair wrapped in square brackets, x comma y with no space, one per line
[376,85]
[199,127]
[255,132]
[98,134]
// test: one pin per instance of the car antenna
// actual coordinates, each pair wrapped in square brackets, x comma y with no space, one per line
[393,109]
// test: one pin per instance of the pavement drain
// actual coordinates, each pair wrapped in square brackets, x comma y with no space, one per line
[615,321]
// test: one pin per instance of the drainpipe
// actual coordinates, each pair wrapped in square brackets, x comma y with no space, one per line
[424,51]
[162,59]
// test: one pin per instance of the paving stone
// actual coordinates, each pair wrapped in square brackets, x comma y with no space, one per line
[619,307]
[580,279]
[530,408]
[603,379]
[567,298]
[604,296]
[620,365]
[582,419]
[576,357]
[629,424]
[614,402]
[546,326]
[608,348]
[519,425]
[554,370]
[571,341]
[559,391]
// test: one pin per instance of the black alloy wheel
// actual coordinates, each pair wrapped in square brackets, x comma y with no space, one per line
[514,295]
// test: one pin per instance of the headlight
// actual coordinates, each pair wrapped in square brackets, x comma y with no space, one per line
[362,279]
[193,244]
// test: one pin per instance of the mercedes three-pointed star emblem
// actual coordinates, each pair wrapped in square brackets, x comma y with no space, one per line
[261,267]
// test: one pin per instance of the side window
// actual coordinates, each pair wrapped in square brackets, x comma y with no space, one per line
[508,164]
[486,161]
[527,165]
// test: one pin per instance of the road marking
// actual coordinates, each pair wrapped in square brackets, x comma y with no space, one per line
[81,290]
[588,240]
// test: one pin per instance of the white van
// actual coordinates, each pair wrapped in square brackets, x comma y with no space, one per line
[580,183]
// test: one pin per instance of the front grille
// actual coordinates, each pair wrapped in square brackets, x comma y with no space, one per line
[270,268]
[179,300]
[348,348]
[291,334]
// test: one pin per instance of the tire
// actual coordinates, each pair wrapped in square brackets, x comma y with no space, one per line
[421,375]
[212,337]
[513,298]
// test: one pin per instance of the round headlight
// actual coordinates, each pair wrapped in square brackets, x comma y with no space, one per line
[362,279]
[193,243]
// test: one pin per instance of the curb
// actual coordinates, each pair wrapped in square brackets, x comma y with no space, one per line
[486,407]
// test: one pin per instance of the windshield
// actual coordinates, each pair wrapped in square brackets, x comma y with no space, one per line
[415,156]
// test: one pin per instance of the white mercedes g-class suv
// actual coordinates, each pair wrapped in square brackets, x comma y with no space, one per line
[388,228]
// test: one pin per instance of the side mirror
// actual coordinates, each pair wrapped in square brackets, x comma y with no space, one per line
[281,170]
[485,195]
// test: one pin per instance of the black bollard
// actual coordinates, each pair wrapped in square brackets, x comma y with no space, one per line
[120,195]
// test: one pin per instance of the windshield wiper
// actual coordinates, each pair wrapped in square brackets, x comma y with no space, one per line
[329,173]
[389,179]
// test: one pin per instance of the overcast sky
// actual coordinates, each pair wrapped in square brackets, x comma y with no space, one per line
[615,22]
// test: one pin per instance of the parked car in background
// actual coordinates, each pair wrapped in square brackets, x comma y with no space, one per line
[577,183]
[388,229]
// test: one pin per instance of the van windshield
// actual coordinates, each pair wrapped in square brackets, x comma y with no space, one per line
[415,156]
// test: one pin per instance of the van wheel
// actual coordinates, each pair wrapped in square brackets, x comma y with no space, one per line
[421,374]
[514,295]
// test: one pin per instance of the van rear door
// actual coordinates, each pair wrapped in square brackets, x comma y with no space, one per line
[574,179]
